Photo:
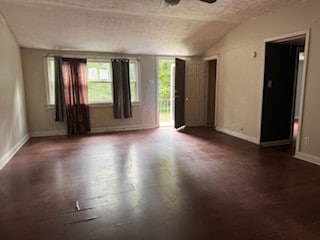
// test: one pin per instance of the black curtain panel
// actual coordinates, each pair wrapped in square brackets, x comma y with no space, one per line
[121,89]
[60,104]
[76,95]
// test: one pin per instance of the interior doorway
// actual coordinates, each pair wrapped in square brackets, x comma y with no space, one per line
[166,94]
[283,91]
[212,80]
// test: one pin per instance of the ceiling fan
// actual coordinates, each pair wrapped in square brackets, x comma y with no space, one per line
[168,3]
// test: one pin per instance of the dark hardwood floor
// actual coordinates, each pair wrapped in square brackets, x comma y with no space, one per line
[158,184]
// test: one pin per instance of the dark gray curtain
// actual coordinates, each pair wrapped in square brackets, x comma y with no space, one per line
[121,89]
[59,90]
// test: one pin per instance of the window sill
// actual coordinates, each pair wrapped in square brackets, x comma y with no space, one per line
[50,106]
[110,105]
[99,105]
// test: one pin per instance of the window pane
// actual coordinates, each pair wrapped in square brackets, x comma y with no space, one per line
[133,72]
[99,78]
[92,74]
[51,80]
[133,89]
[100,92]
[99,71]
[104,74]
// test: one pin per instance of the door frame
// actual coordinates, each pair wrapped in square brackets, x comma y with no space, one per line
[289,36]
[207,60]
[157,115]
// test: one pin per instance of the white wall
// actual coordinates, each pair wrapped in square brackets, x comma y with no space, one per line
[13,123]
[41,119]
[240,80]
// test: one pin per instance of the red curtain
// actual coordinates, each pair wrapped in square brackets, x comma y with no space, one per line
[76,95]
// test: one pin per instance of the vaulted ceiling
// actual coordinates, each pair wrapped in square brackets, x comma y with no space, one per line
[128,26]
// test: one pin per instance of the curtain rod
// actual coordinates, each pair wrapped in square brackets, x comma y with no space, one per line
[91,57]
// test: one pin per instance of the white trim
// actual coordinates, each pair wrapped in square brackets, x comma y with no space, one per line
[122,128]
[306,34]
[110,105]
[238,135]
[48,133]
[214,57]
[61,53]
[157,114]
[303,89]
[308,158]
[10,154]
[95,130]
[46,77]
[289,36]
[263,60]
[276,143]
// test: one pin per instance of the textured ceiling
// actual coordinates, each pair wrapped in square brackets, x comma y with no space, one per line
[128,26]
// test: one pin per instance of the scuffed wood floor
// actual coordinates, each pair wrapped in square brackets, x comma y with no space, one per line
[158,184]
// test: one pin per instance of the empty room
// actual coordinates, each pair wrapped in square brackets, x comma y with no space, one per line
[160,119]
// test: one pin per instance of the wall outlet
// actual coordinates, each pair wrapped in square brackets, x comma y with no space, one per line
[307,141]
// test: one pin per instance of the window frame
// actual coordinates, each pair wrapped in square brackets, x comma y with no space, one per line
[138,82]
[51,105]
[101,61]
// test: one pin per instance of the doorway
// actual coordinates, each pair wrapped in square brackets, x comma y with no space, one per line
[212,80]
[283,91]
[166,95]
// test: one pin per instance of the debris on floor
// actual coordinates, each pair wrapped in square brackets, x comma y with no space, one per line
[84,220]
[77,206]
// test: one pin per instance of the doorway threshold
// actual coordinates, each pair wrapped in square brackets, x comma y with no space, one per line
[167,124]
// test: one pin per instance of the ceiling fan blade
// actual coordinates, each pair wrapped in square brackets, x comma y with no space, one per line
[208,1]
[168,3]
[164,4]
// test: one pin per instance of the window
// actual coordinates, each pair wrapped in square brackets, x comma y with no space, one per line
[99,81]
[133,72]
[50,81]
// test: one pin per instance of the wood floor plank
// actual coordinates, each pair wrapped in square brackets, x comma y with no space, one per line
[158,184]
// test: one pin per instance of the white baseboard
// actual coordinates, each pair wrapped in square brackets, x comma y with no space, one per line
[308,158]
[48,133]
[9,155]
[95,130]
[238,135]
[122,128]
